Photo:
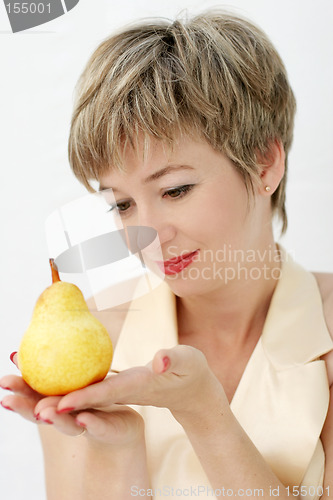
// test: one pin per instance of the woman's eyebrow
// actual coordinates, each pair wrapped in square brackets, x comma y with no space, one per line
[164,171]
[156,175]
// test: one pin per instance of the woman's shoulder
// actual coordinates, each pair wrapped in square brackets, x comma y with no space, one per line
[325,284]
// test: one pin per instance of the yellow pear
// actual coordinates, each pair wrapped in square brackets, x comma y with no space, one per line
[65,347]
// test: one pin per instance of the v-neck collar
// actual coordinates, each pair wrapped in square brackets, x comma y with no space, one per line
[282,397]
[294,332]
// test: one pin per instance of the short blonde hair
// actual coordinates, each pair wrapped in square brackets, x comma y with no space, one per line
[216,76]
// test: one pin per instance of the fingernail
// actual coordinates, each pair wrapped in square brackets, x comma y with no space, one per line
[166,363]
[6,406]
[65,410]
[12,356]
[81,424]
[5,388]
[45,420]
[36,415]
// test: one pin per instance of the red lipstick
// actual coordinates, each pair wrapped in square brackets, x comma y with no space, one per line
[177,264]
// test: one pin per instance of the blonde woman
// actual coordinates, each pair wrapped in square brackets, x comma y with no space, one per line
[229,362]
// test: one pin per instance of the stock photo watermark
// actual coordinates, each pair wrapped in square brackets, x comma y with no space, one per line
[206,492]
[228,264]
[28,14]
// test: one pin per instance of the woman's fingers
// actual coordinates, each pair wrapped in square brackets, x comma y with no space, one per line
[23,400]
[118,426]
[118,389]
[63,423]
[13,358]
[180,360]
[46,412]
[16,384]
[121,426]
[171,369]
[166,381]
[33,406]
[20,404]
[46,402]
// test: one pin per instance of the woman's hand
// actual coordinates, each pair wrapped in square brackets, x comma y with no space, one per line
[120,426]
[23,400]
[113,441]
[178,378]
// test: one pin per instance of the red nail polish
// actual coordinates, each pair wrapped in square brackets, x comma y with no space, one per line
[6,407]
[36,415]
[166,363]
[45,420]
[81,424]
[65,410]
[12,356]
[5,388]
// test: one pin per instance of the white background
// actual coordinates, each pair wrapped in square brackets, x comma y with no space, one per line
[38,71]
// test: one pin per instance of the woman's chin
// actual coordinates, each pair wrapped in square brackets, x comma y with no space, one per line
[183,285]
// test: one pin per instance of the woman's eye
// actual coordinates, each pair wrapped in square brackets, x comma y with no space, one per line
[178,192]
[123,206]
[120,207]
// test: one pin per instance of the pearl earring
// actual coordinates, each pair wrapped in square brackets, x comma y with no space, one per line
[267,189]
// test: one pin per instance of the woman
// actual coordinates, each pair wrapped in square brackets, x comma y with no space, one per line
[230,360]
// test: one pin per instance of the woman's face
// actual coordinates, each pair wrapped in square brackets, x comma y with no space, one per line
[197,202]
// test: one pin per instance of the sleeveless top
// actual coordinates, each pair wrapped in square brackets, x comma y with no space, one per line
[281,400]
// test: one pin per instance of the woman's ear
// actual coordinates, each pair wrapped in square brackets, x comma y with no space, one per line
[273,167]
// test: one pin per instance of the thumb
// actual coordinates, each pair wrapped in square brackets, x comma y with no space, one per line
[13,358]
[179,360]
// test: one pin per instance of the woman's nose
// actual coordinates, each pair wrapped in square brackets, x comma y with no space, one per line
[164,227]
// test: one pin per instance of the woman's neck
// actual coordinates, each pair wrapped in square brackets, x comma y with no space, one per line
[232,313]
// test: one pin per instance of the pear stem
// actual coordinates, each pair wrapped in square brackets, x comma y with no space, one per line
[54,270]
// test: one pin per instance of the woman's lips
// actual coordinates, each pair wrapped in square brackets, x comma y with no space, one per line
[177,264]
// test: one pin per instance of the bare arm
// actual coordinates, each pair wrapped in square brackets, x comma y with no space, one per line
[196,398]
[103,463]
[325,283]
[327,440]
[76,469]
[226,453]
[85,469]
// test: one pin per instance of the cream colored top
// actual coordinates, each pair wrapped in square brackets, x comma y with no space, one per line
[281,400]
